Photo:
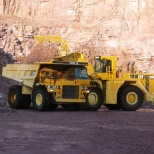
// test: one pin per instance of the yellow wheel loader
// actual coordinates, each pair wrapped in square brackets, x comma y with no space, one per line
[124,87]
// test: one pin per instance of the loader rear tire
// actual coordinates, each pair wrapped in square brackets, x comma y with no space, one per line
[40,98]
[94,99]
[130,98]
[15,98]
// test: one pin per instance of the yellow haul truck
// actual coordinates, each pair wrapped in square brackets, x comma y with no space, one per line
[53,83]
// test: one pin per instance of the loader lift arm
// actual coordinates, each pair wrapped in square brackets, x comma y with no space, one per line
[64,49]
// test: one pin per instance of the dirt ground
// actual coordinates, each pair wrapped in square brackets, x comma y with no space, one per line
[101,132]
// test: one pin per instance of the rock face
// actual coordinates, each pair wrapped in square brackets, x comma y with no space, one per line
[93,27]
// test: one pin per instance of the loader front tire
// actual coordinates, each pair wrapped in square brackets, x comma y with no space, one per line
[15,98]
[130,98]
[40,98]
[94,99]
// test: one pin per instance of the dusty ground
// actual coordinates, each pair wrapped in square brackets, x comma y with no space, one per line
[102,132]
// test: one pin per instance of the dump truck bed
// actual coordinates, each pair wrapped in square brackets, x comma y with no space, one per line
[23,73]
[26,73]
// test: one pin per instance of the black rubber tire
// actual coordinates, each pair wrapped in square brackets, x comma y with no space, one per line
[39,98]
[97,95]
[26,101]
[128,92]
[15,98]
[72,107]
[113,106]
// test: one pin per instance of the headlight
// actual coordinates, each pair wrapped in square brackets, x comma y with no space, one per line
[84,88]
[52,87]
[87,91]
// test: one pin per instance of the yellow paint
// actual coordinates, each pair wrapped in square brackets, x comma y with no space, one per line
[111,91]
[26,90]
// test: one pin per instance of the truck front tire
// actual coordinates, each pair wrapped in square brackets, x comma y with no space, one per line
[39,98]
[94,99]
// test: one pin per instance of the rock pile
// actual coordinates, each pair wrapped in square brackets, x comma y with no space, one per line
[41,53]
[4,87]
[14,41]
[5,58]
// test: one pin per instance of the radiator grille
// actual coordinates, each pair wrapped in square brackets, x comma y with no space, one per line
[70,92]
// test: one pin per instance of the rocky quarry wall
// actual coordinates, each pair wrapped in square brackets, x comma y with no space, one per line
[94,27]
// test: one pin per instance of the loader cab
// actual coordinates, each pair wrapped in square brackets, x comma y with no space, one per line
[106,65]
[102,65]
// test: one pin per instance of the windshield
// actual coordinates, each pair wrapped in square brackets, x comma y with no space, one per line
[97,65]
[81,73]
[102,65]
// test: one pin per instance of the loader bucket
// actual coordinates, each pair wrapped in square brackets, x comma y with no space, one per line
[63,51]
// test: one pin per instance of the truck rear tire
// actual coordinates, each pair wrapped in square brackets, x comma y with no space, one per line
[130,98]
[40,98]
[15,98]
[94,99]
